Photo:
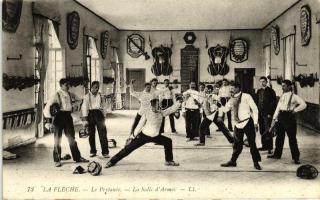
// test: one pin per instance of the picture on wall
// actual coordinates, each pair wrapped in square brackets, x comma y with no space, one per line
[73,25]
[11,12]
[275,38]
[239,50]
[305,25]
[104,38]
[135,45]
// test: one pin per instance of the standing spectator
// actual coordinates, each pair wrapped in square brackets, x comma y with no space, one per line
[154,90]
[289,104]
[63,122]
[267,101]
[203,96]
[167,98]
[192,108]
[225,95]
[92,117]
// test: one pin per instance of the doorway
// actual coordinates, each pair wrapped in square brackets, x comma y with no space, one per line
[244,76]
[138,75]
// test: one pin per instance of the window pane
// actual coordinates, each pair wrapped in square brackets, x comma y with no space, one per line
[59,66]
[58,56]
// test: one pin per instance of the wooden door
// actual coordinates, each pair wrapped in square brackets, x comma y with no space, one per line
[189,66]
[138,75]
[244,76]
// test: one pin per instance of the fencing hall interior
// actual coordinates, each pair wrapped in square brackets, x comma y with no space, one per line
[192,58]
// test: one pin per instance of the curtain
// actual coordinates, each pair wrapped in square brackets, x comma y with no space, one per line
[267,59]
[41,33]
[87,32]
[289,57]
[47,9]
[85,67]
[100,69]
[118,68]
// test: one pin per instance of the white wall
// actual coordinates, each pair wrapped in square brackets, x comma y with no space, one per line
[21,42]
[214,37]
[304,54]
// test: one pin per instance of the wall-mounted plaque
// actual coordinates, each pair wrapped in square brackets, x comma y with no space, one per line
[275,38]
[218,60]
[305,25]
[11,13]
[135,45]
[73,25]
[239,50]
[104,38]
[189,66]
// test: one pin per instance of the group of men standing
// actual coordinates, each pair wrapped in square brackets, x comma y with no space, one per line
[199,108]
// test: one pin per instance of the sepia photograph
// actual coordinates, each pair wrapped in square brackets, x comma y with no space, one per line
[160,99]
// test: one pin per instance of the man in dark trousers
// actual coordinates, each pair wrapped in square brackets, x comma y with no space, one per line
[204,93]
[267,101]
[225,95]
[92,117]
[167,98]
[63,122]
[211,107]
[148,131]
[285,121]
[192,109]
[245,115]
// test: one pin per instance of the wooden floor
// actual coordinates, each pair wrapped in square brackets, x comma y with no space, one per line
[143,175]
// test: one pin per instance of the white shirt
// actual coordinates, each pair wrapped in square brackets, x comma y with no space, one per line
[224,91]
[297,104]
[144,98]
[65,102]
[166,93]
[91,102]
[150,121]
[247,109]
[156,92]
[194,95]
[210,106]
[202,98]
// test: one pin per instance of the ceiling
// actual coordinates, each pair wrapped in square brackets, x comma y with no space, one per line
[188,14]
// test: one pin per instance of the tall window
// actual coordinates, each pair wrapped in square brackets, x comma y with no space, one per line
[56,65]
[289,57]
[267,59]
[93,62]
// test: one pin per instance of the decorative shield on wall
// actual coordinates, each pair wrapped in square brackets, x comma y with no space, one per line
[305,25]
[135,45]
[218,60]
[162,61]
[275,38]
[73,25]
[104,43]
[239,50]
[11,13]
